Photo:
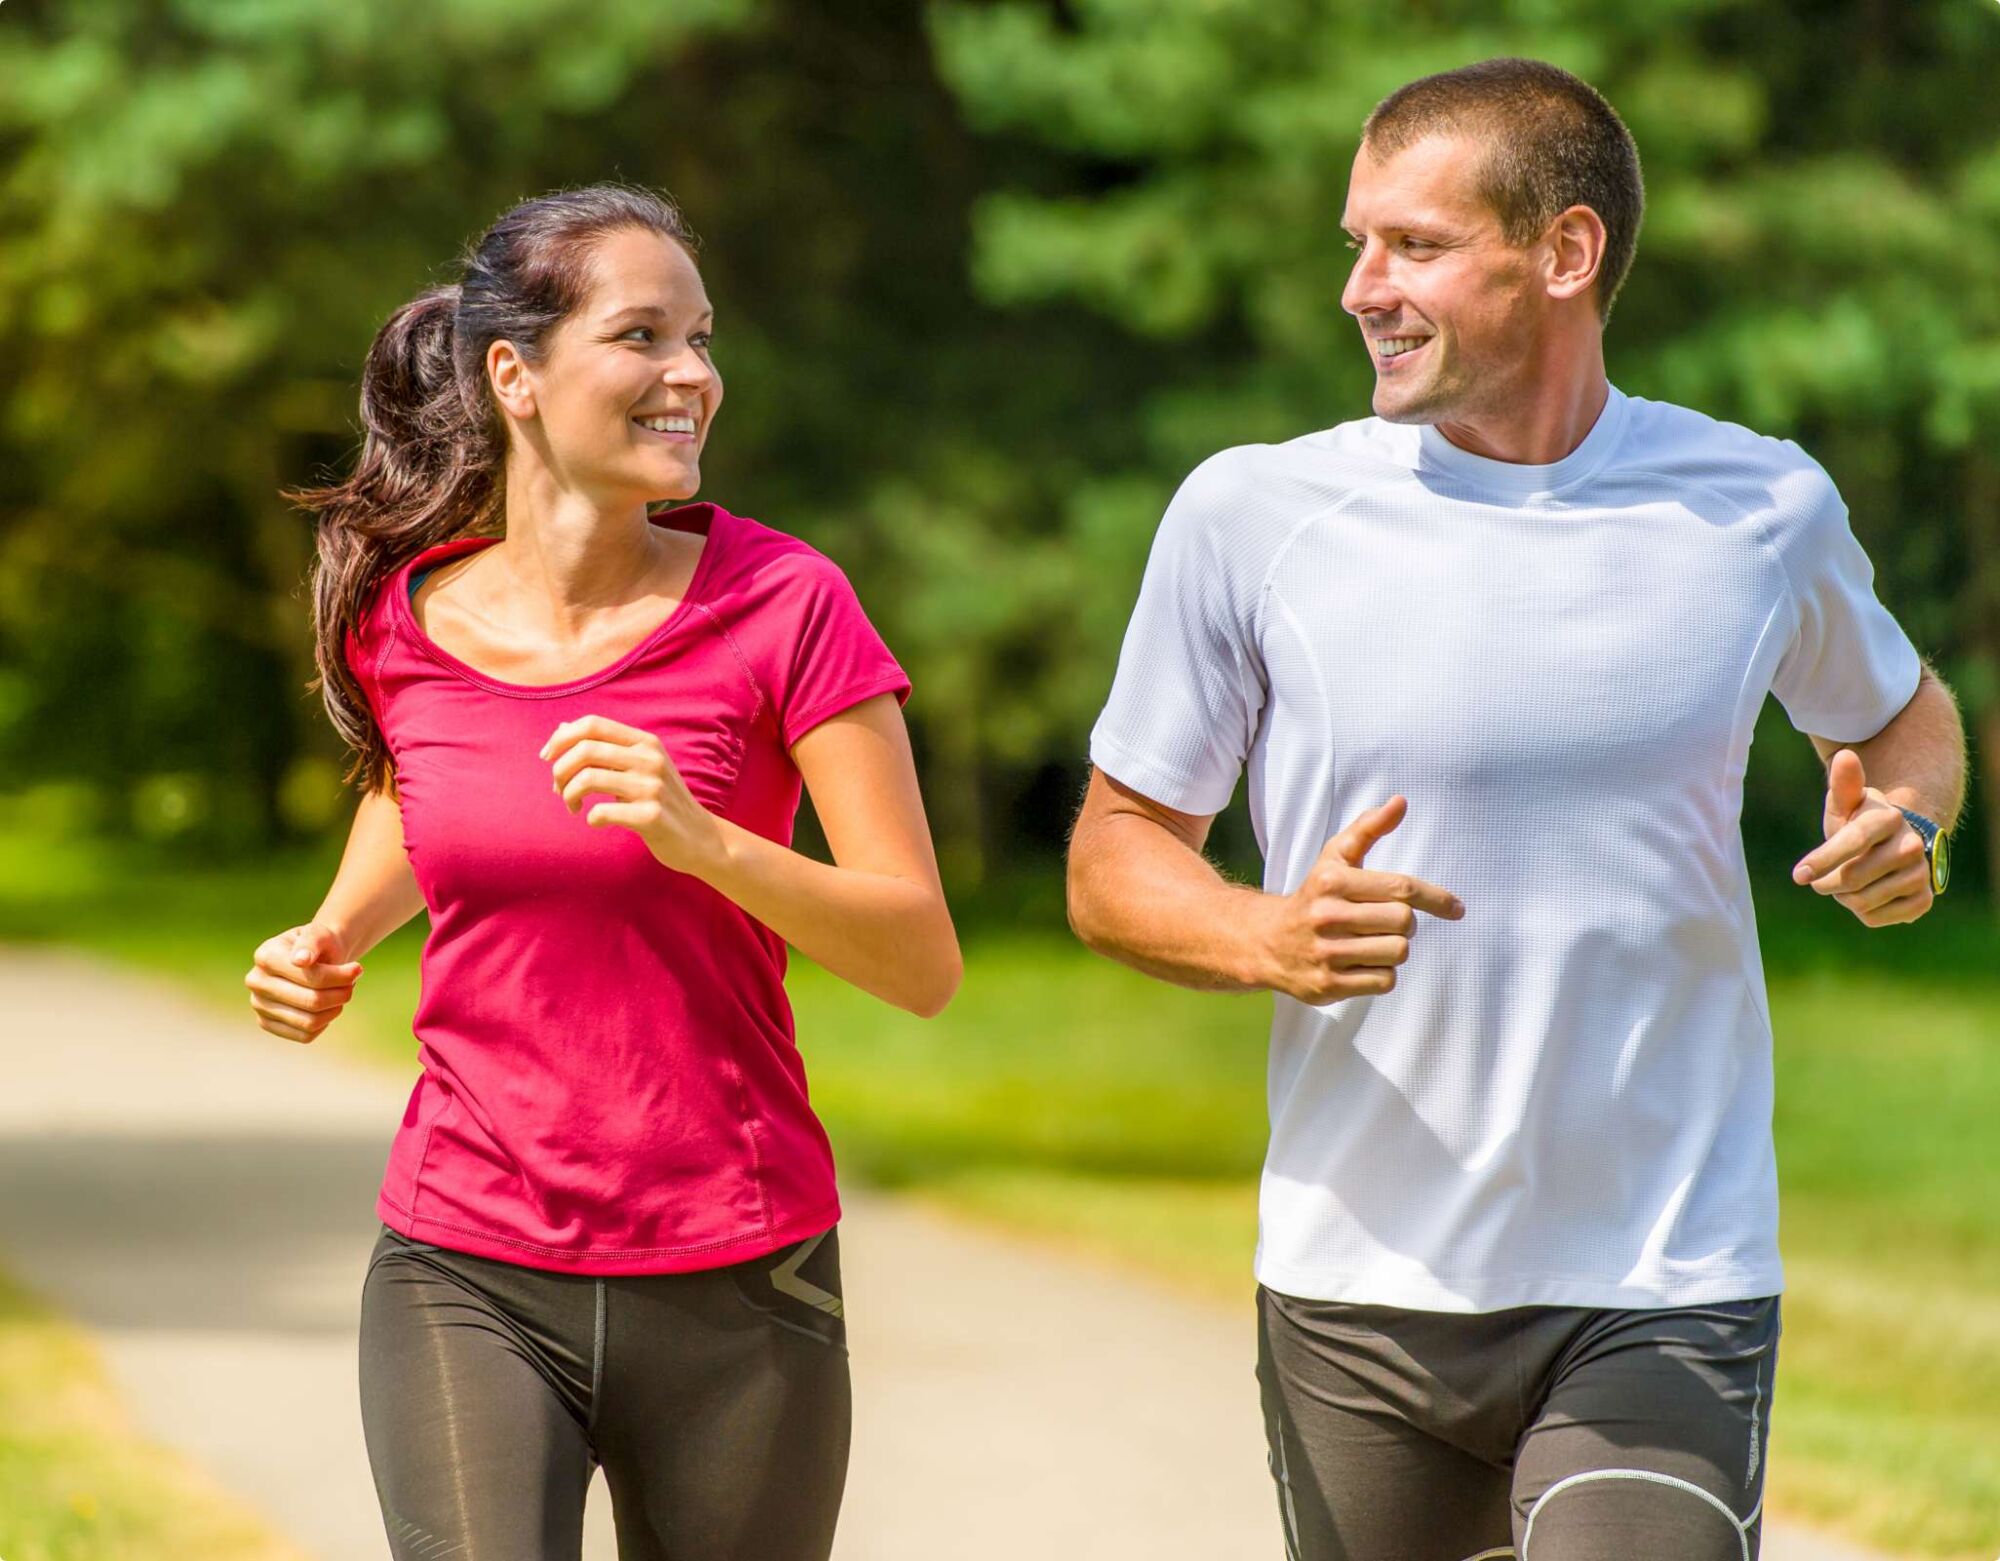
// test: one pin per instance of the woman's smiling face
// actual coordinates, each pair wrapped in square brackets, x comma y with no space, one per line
[623,398]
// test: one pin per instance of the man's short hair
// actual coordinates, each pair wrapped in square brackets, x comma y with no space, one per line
[1552,143]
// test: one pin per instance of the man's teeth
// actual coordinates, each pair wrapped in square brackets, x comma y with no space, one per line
[1396,346]
[667,425]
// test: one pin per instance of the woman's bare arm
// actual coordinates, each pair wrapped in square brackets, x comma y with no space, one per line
[300,979]
[877,917]
[374,892]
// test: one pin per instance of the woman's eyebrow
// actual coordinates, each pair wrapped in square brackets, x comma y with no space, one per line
[650,312]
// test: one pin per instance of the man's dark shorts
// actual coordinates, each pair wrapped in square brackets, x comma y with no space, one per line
[1537,1433]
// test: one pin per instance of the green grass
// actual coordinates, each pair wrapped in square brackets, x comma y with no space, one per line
[77,1483]
[1068,1097]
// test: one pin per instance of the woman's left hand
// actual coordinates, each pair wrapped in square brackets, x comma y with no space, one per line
[595,753]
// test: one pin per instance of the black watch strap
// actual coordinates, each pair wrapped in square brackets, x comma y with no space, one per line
[1937,848]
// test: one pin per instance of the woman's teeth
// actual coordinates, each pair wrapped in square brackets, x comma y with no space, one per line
[667,425]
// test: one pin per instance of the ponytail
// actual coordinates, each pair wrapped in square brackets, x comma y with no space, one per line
[434,444]
[428,472]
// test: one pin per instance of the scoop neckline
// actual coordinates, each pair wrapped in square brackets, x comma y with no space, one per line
[443,552]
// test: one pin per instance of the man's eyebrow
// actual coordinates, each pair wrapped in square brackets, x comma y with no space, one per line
[1422,223]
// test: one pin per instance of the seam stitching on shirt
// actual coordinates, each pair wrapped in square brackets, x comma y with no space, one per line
[825,1214]
[1758,525]
[757,690]
[753,1130]
[1619,438]
[423,1159]
[375,674]
[1747,727]
[834,703]
[1456,1281]
[1266,585]
[1328,824]
[466,673]
[1173,774]
[764,701]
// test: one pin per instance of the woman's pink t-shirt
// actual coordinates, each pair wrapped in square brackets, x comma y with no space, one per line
[610,1082]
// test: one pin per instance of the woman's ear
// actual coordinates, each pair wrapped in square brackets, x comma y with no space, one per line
[513,384]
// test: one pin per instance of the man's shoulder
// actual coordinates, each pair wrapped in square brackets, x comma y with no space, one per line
[1279,483]
[1690,451]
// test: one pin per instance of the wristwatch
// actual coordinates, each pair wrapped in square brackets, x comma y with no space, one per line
[1937,849]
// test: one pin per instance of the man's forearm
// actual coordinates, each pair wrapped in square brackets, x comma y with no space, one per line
[1140,896]
[1918,760]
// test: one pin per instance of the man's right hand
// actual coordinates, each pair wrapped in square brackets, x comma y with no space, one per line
[1346,928]
[299,981]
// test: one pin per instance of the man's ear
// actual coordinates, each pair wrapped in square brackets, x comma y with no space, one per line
[1575,243]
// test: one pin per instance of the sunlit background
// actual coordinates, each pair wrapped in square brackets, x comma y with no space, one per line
[990,279]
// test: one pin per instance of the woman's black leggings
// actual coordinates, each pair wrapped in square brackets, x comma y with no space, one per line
[716,1401]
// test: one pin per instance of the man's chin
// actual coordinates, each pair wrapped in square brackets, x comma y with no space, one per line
[1408,409]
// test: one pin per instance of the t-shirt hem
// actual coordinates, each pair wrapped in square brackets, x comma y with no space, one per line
[799,724]
[1151,779]
[606,1261]
[1863,725]
[1453,1293]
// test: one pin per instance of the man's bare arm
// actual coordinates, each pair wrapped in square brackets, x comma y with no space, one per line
[1918,760]
[1872,861]
[1141,892]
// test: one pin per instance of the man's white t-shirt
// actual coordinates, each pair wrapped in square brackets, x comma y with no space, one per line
[1566,1100]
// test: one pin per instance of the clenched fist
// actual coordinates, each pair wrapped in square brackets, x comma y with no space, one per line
[299,981]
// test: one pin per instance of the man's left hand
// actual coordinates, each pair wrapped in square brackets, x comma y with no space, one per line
[1873,862]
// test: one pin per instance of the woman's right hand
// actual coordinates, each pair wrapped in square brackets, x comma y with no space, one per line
[300,981]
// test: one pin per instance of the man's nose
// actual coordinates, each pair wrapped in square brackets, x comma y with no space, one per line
[1368,288]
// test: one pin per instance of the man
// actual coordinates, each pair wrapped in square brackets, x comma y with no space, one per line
[1492,659]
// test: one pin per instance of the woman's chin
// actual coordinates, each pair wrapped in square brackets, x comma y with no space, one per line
[677,489]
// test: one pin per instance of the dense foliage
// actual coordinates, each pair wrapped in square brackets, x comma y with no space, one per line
[991,278]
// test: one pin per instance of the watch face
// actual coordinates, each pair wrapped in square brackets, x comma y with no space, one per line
[1940,862]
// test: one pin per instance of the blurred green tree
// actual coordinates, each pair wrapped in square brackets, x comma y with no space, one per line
[208,206]
[991,278]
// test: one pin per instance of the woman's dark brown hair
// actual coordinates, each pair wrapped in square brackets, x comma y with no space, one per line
[434,443]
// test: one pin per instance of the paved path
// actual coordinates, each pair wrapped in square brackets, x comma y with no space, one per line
[202,1197]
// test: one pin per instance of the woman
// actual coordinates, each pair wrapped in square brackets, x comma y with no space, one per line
[608,1217]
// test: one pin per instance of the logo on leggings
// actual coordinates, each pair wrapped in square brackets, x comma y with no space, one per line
[787,1280]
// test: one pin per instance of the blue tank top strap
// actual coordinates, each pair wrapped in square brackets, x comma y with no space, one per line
[417,579]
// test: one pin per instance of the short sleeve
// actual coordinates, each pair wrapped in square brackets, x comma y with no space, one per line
[835,658]
[1189,690]
[1849,668]
[361,667]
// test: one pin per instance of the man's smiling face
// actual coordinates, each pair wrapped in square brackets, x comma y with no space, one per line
[1447,306]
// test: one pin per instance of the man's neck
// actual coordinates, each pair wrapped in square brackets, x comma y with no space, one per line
[1539,433]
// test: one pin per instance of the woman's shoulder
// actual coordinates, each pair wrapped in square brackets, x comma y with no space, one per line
[760,557]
